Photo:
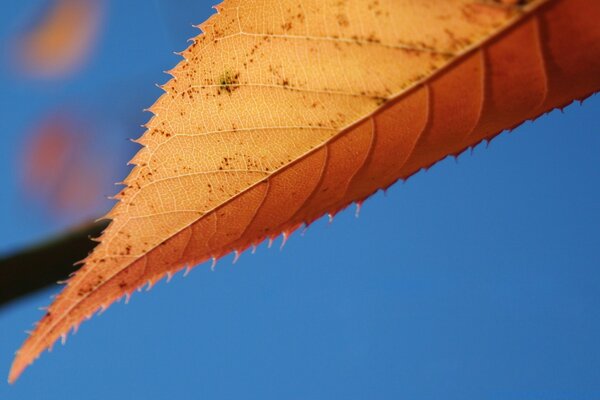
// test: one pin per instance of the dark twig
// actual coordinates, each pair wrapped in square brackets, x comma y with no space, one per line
[35,268]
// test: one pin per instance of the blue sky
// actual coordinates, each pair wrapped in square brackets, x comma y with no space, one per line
[477,279]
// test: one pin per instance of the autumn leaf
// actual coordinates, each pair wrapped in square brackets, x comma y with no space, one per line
[282,111]
[62,40]
[60,168]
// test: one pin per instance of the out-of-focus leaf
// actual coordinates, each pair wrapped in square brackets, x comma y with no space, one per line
[62,40]
[61,168]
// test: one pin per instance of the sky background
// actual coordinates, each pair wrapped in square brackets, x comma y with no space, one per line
[477,279]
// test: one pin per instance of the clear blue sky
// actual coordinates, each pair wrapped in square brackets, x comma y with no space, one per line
[477,279]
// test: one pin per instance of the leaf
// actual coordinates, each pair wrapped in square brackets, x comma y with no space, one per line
[283,111]
[63,38]
[60,166]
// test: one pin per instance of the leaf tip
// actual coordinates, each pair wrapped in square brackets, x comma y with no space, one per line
[16,369]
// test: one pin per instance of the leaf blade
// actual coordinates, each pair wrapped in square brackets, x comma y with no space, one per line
[249,152]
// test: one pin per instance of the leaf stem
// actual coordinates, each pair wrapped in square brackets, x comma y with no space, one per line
[32,269]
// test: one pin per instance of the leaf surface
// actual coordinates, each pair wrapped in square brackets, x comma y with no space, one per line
[282,111]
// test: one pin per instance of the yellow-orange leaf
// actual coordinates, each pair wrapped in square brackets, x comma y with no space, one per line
[63,39]
[282,111]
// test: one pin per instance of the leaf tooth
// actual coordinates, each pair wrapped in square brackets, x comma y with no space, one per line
[205,28]
[119,196]
[153,108]
[169,72]
[358,208]
[141,158]
[149,285]
[161,87]
[285,236]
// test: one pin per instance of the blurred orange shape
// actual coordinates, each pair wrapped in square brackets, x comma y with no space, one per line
[80,190]
[63,39]
[60,170]
[47,153]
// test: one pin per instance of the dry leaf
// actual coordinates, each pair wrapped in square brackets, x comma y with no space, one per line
[285,110]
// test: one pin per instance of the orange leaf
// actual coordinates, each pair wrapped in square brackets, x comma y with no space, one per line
[283,111]
[63,39]
[59,166]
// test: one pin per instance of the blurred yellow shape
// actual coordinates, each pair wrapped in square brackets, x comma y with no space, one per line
[63,39]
